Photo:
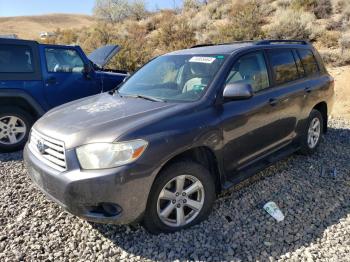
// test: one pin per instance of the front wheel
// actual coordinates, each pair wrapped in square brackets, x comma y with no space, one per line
[15,125]
[313,133]
[181,196]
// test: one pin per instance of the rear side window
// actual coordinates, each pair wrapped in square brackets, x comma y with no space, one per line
[250,69]
[309,62]
[16,59]
[60,60]
[283,66]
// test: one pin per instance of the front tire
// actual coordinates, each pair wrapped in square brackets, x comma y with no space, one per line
[312,134]
[15,125]
[181,196]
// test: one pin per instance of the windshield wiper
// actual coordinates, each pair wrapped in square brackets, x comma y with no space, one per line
[150,98]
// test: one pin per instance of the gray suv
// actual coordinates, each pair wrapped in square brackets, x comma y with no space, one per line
[185,127]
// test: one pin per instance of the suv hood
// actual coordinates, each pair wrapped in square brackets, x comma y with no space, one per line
[99,118]
[101,56]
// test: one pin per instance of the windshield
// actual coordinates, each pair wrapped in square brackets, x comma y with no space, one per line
[174,77]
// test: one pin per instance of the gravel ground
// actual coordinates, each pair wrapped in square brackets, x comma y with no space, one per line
[313,192]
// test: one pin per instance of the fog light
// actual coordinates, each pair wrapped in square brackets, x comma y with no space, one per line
[111,209]
[106,209]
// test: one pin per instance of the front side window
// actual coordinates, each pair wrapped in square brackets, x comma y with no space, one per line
[283,66]
[63,61]
[174,77]
[16,59]
[309,62]
[250,69]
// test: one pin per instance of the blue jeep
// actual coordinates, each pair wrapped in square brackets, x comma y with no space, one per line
[37,77]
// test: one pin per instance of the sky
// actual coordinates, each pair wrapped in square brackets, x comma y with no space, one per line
[39,7]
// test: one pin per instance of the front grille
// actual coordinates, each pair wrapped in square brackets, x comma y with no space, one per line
[48,150]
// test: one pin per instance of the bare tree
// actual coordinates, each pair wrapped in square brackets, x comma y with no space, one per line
[114,11]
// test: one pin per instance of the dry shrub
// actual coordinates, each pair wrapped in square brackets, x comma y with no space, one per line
[244,24]
[192,5]
[340,5]
[335,57]
[334,24]
[344,42]
[220,9]
[303,4]
[322,8]
[292,24]
[283,3]
[329,39]
[174,33]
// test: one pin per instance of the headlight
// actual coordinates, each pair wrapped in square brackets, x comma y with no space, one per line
[108,155]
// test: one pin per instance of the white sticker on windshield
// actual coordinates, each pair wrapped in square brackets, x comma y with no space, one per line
[202,59]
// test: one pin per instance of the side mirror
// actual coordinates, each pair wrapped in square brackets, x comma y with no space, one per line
[238,91]
[87,70]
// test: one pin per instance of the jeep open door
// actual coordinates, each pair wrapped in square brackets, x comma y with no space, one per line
[68,74]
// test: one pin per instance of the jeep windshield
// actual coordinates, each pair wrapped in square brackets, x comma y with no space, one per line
[181,78]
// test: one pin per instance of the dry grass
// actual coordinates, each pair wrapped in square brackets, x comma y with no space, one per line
[342,91]
[29,27]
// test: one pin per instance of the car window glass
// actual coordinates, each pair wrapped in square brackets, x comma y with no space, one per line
[309,62]
[174,77]
[250,69]
[63,61]
[283,66]
[298,63]
[16,59]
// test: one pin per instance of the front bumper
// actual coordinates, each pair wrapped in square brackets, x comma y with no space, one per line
[82,192]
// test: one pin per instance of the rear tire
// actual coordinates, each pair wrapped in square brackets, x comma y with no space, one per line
[312,134]
[186,207]
[15,125]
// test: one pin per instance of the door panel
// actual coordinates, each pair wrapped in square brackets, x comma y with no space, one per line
[64,79]
[253,127]
[262,124]
[250,126]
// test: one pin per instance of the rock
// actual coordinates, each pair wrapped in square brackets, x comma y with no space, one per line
[316,225]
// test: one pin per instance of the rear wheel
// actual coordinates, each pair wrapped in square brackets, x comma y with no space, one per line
[313,133]
[182,195]
[15,125]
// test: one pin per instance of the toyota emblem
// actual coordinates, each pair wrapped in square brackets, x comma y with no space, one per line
[41,146]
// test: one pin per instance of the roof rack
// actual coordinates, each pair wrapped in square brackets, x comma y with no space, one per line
[257,42]
[202,45]
[268,42]
[230,43]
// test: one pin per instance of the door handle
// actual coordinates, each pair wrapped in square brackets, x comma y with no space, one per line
[307,89]
[51,81]
[273,101]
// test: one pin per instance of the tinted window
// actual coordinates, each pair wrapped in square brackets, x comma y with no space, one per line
[63,61]
[309,62]
[283,65]
[250,69]
[16,59]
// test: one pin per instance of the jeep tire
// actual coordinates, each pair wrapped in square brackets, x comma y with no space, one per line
[15,124]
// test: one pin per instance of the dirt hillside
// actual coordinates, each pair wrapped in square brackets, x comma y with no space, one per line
[29,27]
[342,91]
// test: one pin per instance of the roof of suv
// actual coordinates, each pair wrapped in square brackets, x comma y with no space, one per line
[229,48]
[18,41]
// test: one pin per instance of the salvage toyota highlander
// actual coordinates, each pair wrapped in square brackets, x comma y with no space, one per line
[186,126]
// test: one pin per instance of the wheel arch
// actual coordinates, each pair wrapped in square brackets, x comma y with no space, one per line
[202,155]
[22,100]
[323,109]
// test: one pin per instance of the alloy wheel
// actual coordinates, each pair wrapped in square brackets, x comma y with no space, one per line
[12,130]
[314,133]
[180,201]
